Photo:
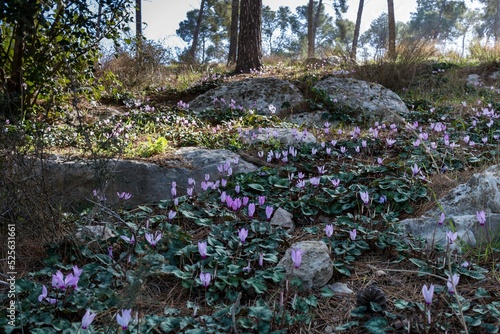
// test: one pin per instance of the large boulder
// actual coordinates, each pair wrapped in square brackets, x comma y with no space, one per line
[481,192]
[253,93]
[147,182]
[363,100]
[316,268]
[286,136]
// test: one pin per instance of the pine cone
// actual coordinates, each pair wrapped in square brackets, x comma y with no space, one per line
[372,294]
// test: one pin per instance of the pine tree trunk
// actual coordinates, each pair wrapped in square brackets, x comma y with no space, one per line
[233,34]
[250,39]
[497,22]
[357,28]
[310,29]
[138,28]
[192,50]
[392,30]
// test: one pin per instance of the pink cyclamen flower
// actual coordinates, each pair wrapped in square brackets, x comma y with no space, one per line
[428,293]
[243,234]
[451,236]
[127,239]
[452,283]
[58,280]
[124,318]
[365,197]
[87,319]
[205,279]
[335,182]
[269,211]
[202,249]
[329,230]
[251,209]
[153,239]
[441,219]
[44,294]
[110,251]
[262,200]
[353,234]
[261,259]
[481,217]
[415,169]
[296,257]
[124,195]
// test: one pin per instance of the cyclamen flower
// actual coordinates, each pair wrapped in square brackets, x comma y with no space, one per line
[451,237]
[296,257]
[205,279]
[251,209]
[243,234]
[153,239]
[452,283]
[329,230]
[269,211]
[441,219]
[262,200]
[124,195]
[124,318]
[127,239]
[390,142]
[353,234]
[365,197]
[415,169]
[171,214]
[315,181]
[261,259]
[335,182]
[202,249]
[44,294]
[428,293]
[481,217]
[87,319]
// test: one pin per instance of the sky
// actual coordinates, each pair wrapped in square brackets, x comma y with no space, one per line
[163,16]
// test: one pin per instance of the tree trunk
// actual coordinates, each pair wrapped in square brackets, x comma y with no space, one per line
[233,34]
[192,50]
[392,30]
[357,28]
[312,24]
[250,39]
[138,28]
[497,22]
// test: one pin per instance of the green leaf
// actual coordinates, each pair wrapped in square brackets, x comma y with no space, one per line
[256,186]
[376,325]
[490,328]
[473,322]
[326,292]
[482,293]
[359,312]
[349,325]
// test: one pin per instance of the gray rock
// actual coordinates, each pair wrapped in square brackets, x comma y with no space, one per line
[364,100]
[147,182]
[473,79]
[283,135]
[252,93]
[283,218]
[94,232]
[460,205]
[340,288]
[317,118]
[316,268]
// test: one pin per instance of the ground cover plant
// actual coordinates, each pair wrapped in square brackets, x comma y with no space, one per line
[205,259]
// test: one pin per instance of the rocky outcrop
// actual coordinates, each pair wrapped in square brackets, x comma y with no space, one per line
[316,267]
[480,193]
[363,100]
[148,183]
[283,135]
[264,95]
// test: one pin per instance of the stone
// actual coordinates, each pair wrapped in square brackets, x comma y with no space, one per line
[316,118]
[94,232]
[460,205]
[473,79]
[340,288]
[363,100]
[283,219]
[252,93]
[316,268]
[148,183]
[283,135]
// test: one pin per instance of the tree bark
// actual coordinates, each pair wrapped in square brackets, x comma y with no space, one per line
[312,24]
[497,22]
[233,34]
[392,30]
[138,27]
[250,36]
[194,45]
[354,48]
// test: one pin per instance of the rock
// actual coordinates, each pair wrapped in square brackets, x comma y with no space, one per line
[283,219]
[316,268]
[495,75]
[284,136]
[94,232]
[364,100]
[481,192]
[147,182]
[340,288]
[253,93]
[317,118]
[473,79]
